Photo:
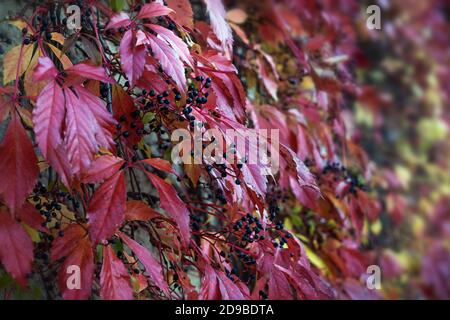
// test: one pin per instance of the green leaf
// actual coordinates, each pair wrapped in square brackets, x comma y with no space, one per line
[117,5]
[149,116]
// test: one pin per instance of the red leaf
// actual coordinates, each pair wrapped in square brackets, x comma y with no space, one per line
[48,117]
[303,284]
[18,165]
[168,58]
[28,214]
[304,176]
[139,211]
[118,20]
[183,12]
[175,42]
[63,246]
[254,178]
[217,286]
[114,278]
[151,265]
[219,25]
[86,119]
[102,168]
[82,257]
[16,249]
[152,81]
[173,205]
[132,57]
[153,9]
[269,81]
[159,164]
[106,211]
[123,105]
[86,71]
[45,69]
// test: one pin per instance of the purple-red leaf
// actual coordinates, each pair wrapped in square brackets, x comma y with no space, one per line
[132,57]
[76,247]
[217,286]
[16,248]
[175,42]
[102,168]
[151,265]
[118,20]
[45,69]
[159,164]
[219,25]
[87,71]
[168,58]
[173,205]
[139,211]
[153,9]
[86,119]
[114,278]
[106,211]
[48,117]
[18,164]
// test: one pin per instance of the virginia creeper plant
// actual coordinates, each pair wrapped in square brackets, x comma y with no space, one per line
[89,104]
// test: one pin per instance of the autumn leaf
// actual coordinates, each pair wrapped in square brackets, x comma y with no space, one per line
[176,43]
[139,211]
[114,278]
[16,250]
[11,62]
[118,20]
[102,168]
[159,164]
[173,205]
[132,57]
[151,265]
[75,246]
[86,71]
[87,124]
[29,215]
[18,164]
[217,286]
[153,9]
[168,58]
[48,116]
[106,210]
[220,26]
[83,258]
[183,14]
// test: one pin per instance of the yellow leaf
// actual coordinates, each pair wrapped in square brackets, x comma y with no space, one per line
[307,84]
[62,57]
[32,88]
[376,227]
[58,37]
[19,24]
[316,260]
[34,234]
[11,62]
[193,171]
[104,151]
